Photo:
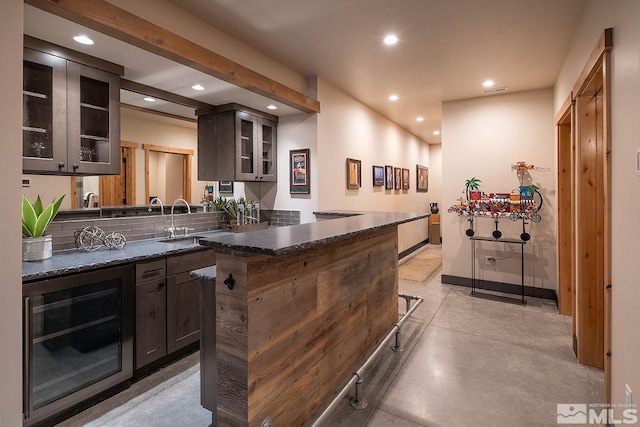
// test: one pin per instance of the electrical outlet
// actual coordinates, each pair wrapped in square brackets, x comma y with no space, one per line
[489,260]
[629,396]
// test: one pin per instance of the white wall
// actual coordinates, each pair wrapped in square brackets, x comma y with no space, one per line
[10,173]
[297,131]
[349,129]
[145,128]
[482,138]
[624,17]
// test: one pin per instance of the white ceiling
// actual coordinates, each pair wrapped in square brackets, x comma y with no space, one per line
[447,48]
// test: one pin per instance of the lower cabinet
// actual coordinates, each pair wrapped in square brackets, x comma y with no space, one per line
[151,325]
[167,304]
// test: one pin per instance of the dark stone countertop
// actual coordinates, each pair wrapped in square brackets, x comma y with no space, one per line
[285,240]
[77,260]
[207,273]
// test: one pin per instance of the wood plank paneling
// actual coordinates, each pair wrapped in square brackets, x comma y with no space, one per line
[294,327]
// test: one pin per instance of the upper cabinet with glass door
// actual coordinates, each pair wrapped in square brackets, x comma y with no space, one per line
[236,145]
[71,117]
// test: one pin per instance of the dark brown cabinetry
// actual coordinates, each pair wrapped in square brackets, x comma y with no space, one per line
[151,337]
[237,145]
[71,117]
[167,304]
[183,298]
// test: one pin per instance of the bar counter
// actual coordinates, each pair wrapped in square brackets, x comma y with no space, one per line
[296,310]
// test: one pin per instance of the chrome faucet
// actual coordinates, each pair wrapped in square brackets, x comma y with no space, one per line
[172,230]
[155,199]
[87,199]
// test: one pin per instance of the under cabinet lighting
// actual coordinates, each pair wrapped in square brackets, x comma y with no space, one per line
[149,99]
[420,119]
[272,107]
[197,87]
[436,132]
[390,39]
[488,83]
[393,98]
[83,40]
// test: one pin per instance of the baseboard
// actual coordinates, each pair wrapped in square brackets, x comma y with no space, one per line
[412,249]
[508,288]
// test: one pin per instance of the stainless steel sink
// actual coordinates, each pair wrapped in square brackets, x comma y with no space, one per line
[182,240]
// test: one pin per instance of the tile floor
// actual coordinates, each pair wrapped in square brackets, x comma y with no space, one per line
[466,362]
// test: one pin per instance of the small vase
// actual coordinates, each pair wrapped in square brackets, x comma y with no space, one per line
[37,248]
[434,208]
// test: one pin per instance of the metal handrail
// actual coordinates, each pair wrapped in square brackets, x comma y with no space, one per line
[357,377]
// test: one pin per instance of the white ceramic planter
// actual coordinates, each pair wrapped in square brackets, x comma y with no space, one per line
[37,248]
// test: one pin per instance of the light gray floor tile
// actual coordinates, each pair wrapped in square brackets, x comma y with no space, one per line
[381,418]
[529,325]
[456,378]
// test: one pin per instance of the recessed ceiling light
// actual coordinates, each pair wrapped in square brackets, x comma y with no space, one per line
[272,107]
[420,119]
[149,99]
[488,83]
[390,39]
[393,98]
[436,132]
[83,40]
[197,87]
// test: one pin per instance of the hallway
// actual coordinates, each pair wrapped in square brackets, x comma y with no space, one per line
[466,362]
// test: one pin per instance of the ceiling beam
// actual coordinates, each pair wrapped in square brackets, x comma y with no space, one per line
[108,19]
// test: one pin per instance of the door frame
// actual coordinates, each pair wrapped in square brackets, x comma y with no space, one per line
[591,184]
[187,164]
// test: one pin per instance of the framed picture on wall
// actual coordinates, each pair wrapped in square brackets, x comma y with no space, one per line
[422,179]
[299,171]
[388,181]
[405,179]
[225,187]
[378,176]
[354,173]
[397,178]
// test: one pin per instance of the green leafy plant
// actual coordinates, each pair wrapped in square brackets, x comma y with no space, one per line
[231,208]
[472,184]
[35,219]
[218,204]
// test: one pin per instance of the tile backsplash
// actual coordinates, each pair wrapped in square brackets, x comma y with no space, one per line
[135,228]
[152,226]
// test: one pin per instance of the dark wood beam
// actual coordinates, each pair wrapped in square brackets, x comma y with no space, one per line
[108,19]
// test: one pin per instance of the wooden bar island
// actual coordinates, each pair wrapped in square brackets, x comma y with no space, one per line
[292,313]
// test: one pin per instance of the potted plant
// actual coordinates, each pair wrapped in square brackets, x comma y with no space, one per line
[471,188]
[35,245]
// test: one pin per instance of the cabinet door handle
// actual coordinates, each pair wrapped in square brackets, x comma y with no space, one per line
[26,354]
[161,284]
[60,165]
[75,167]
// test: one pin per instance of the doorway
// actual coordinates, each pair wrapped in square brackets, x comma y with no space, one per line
[116,190]
[584,221]
[167,172]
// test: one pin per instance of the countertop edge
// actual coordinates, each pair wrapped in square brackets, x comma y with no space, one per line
[230,246]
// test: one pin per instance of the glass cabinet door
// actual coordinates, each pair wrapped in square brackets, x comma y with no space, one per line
[94,131]
[268,145]
[246,147]
[44,127]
